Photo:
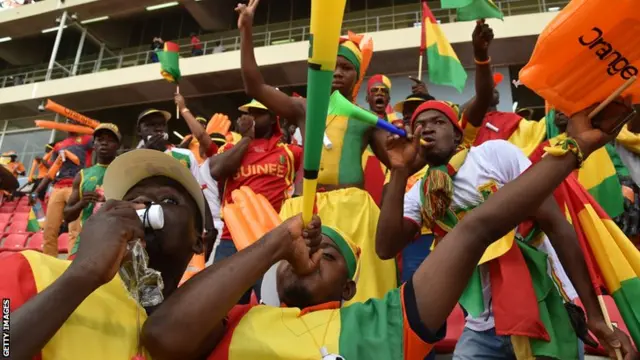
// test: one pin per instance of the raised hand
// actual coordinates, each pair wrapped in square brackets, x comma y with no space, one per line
[590,138]
[89,197]
[179,100]
[246,13]
[247,126]
[418,86]
[481,39]
[104,240]
[301,249]
[402,152]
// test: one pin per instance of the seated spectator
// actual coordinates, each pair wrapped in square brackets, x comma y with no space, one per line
[63,309]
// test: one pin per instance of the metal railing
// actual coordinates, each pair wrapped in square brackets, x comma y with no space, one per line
[96,63]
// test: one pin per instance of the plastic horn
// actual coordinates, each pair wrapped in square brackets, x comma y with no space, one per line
[53,170]
[73,115]
[341,105]
[68,155]
[326,23]
[34,166]
[64,127]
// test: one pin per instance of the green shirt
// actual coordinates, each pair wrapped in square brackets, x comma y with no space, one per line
[90,181]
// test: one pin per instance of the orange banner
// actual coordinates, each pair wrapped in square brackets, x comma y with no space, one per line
[73,115]
[585,54]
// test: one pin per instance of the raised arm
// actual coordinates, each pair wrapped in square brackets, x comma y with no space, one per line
[177,330]
[478,106]
[227,164]
[275,100]
[197,130]
[395,231]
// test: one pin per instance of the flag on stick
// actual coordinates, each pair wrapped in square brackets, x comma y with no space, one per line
[474,9]
[443,63]
[170,62]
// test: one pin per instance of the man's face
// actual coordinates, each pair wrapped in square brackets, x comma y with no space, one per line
[344,77]
[329,282]
[154,124]
[496,97]
[439,133]
[378,98]
[408,109]
[263,120]
[105,144]
[171,248]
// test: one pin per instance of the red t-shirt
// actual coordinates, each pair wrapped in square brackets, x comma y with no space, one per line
[268,168]
[195,43]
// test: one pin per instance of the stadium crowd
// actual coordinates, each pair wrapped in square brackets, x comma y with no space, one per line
[467,216]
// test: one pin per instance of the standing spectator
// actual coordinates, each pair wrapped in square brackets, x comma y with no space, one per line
[196,45]
[14,166]
[82,147]
[87,186]
[156,45]
[219,48]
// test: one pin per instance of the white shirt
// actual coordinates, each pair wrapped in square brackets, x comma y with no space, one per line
[498,162]
[193,163]
[211,193]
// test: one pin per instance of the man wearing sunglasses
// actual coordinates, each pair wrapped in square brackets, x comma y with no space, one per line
[379,96]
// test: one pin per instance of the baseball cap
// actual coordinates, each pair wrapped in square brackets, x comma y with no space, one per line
[130,168]
[112,128]
[148,112]
[253,104]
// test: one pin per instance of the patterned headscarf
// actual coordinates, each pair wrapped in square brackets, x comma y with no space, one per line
[359,51]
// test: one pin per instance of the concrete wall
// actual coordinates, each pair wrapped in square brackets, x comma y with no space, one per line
[401,87]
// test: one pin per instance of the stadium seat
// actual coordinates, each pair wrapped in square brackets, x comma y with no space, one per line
[3,226]
[5,217]
[23,208]
[63,243]
[6,210]
[36,242]
[19,216]
[17,227]
[14,242]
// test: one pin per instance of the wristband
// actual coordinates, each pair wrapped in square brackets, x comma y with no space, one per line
[184,110]
[565,146]
[485,62]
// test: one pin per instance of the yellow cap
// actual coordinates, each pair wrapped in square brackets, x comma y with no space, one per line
[253,104]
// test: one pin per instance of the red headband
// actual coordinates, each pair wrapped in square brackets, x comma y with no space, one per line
[440,106]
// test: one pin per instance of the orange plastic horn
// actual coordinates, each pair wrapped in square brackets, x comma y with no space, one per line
[71,157]
[70,114]
[53,170]
[196,265]
[272,219]
[34,165]
[64,127]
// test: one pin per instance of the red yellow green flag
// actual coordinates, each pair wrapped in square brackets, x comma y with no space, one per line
[613,261]
[444,66]
[170,62]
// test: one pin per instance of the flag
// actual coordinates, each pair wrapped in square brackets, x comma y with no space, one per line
[613,261]
[33,225]
[444,66]
[170,62]
[88,332]
[474,9]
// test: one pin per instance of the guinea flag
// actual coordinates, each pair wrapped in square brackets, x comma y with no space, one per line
[33,225]
[473,9]
[170,62]
[444,66]
[613,261]
[104,326]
